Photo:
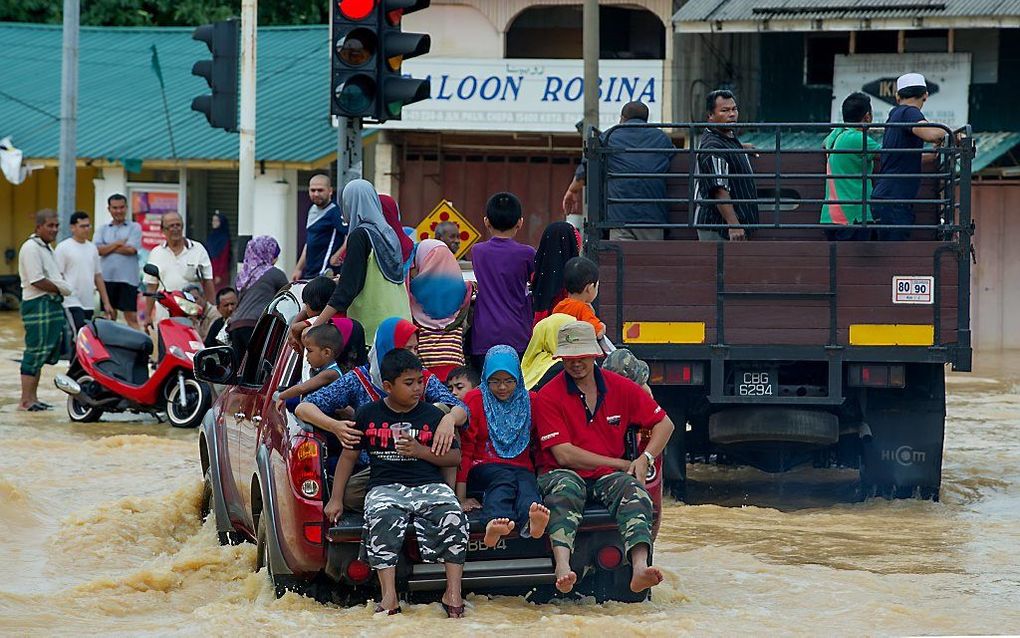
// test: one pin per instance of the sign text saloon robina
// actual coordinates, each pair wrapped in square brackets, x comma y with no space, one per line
[526,95]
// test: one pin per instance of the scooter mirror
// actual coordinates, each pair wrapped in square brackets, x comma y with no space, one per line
[152,270]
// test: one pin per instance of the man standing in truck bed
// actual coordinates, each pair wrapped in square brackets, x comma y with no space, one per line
[728,175]
[632,137]
[911,94]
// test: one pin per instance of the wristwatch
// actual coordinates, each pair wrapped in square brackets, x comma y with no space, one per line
[651,459]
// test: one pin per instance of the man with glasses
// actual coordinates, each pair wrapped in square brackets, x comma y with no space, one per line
[181,261]
[78,260]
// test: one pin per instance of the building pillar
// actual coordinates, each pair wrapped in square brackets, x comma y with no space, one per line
[387,165]
[274,212]
[114,180]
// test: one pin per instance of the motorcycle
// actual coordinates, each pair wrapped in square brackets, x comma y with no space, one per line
[109,371]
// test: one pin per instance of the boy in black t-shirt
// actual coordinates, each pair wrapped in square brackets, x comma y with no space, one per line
[405,484]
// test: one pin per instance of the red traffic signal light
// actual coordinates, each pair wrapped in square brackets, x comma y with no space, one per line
[356,9]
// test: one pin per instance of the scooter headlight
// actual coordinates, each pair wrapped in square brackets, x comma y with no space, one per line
[190,308]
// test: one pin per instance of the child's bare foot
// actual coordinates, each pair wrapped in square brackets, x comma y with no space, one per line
[538,518]
[645,577]
[497,529]
[565,580]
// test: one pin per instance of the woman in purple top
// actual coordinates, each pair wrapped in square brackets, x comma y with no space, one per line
[503,268]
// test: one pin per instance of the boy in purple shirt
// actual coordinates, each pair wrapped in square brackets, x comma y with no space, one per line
[503,268]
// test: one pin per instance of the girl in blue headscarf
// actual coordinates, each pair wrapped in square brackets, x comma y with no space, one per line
[496,451]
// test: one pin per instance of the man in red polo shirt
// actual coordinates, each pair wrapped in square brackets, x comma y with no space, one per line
[584,414]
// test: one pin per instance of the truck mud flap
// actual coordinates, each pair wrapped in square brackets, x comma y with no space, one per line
[903,458]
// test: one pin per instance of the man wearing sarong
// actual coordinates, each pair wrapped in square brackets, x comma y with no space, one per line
[42,292]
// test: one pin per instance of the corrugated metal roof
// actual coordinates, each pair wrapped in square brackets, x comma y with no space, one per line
[989,146]
[120,109]
[755,10]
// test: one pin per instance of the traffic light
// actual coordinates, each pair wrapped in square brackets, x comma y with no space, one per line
[368,50]
[223,39]
[355,67]
[397,46]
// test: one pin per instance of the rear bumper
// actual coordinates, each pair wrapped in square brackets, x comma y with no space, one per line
[516,564]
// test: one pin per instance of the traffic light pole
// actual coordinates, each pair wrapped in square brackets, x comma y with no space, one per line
[246,127]
[348,151]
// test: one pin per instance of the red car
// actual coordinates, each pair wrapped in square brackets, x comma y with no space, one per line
[266,481]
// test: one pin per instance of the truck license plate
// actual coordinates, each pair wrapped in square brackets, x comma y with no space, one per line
[755,384]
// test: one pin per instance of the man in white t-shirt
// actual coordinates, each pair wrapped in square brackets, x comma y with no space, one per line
[78,260]
[180,260]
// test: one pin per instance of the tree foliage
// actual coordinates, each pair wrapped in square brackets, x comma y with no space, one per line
[164,13]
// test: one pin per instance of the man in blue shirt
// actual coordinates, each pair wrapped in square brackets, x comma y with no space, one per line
[324,234]
[911,94]
[630,137]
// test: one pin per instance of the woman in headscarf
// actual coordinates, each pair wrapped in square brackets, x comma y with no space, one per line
[257,283]
[539,363]
[559,244]
[371,284]
[354,352]
[363,385]
[218,247]
[496,451]
[439,303]
[392,214]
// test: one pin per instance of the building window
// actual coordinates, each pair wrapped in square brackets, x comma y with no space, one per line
[555,32]
[820,55]
[876,41]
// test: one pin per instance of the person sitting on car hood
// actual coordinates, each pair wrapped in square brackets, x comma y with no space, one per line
[582,423]
[363,385]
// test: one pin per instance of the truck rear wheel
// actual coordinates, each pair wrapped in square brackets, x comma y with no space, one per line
[903,458]
[674,456]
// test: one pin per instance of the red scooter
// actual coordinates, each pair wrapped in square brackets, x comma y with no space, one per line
[110,368]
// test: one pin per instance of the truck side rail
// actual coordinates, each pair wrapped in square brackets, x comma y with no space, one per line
[954,172]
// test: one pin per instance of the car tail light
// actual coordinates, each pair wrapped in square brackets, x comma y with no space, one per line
[306,469]
[313,533]
[676,373]
[876,376]
[358,571]
[609,557]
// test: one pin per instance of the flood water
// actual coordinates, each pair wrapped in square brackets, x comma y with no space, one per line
[99,534]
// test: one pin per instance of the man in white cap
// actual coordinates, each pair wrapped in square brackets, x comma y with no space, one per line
[911,94]
[584,416]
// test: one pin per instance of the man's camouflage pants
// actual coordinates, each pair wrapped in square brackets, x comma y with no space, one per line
[440,525]
[627,500]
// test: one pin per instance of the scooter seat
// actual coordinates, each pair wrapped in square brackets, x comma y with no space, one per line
[115,335]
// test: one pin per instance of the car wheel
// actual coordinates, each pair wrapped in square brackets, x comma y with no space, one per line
[78,411]
[262,557]
[197,398]
[206,507]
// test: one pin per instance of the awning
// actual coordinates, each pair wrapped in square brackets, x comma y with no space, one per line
[989,146]
[736,16]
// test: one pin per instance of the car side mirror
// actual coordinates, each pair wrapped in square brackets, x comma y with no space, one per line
[151,269]
[216,365]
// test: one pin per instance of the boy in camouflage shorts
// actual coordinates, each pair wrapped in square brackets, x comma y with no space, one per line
[405,485]
[584,413]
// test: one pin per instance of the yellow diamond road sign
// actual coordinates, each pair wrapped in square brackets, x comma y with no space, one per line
[445,212]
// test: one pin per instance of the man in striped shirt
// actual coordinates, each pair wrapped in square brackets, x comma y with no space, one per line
[727,175]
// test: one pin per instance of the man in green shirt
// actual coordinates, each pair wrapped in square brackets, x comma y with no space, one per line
[856,110]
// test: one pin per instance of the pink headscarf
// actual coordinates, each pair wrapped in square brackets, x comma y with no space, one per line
[392,215]
[438,292]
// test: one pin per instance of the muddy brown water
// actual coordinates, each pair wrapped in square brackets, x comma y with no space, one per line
[99,534]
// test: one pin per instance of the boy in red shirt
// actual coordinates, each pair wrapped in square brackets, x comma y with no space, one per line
[496,451]
[583,417]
